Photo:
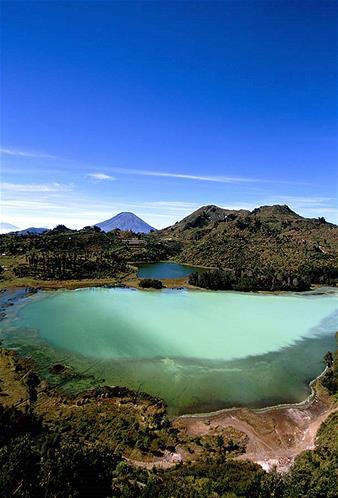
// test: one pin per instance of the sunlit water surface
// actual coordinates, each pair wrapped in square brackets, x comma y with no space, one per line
[197,350]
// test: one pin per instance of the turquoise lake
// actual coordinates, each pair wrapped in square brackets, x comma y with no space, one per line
[165,270]
[197,350]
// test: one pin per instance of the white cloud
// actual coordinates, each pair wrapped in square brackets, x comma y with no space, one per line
[166,205]
[29,205]
[100,176]
[22,153]
[303,200]
[203,178]
[160,174]
[77,211]
[35,187]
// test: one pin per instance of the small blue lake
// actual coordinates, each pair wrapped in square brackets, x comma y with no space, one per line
[166,269]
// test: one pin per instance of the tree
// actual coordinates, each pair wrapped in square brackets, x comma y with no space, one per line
[32,381]
[328,359]
[147,283]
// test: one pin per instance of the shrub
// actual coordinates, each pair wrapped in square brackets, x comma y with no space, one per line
[147,283]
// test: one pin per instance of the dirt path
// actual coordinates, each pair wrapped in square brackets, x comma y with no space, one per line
[169,459]
[275,436]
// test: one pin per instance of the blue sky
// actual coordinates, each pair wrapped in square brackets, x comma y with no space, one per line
[161,107]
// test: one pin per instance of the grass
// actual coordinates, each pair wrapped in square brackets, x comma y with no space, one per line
[10,280]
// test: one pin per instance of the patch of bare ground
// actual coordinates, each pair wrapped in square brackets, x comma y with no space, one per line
[136,425]
[275,436]
[166,461]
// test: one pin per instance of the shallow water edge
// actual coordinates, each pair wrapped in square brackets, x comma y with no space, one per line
[22,298]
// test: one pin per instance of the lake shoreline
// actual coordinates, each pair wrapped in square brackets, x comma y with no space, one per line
[274,436]
[132,282]
[130,279]
[300,405]
[15,295]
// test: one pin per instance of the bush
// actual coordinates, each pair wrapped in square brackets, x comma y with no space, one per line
[248,281]
[147,283]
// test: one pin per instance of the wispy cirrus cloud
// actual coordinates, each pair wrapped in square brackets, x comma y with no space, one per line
[184,176]
[201,178]
[167,205]
[305,202]
[30,205]
[35,187]
[100,177]
[23,153]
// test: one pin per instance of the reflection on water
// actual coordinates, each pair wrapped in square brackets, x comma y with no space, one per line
[196,350]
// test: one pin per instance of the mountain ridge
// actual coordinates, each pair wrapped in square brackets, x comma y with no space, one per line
[266,239]
[7,226]
[30,231]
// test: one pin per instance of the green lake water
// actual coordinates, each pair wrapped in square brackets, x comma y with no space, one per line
[197,350]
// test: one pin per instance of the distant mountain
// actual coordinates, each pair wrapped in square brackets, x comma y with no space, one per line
[125,221]
[31,231]
[7,227]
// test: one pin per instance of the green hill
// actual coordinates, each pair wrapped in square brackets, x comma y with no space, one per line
[267,239]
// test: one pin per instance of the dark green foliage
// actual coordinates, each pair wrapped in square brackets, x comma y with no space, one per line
[36,462]
[155,249]
[19,468]
[270,240]
[318,275]
[77,470]
[147,283]
[205,479]
[32,381]
[211,279]
[330,379]
[15,423]
[314,474]
[65,254]
[248,281]
[328,359]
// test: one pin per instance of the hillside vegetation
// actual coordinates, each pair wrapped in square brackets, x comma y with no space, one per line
[63,254]
[52,445]
[269,248]
[270,240]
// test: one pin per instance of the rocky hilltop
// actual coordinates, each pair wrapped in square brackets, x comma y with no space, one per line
[31,231]
[269,238]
